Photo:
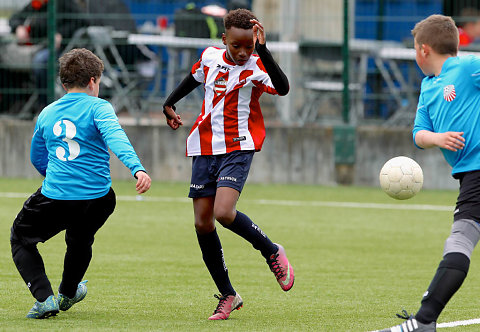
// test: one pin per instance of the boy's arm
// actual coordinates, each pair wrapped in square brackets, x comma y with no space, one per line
[279,79]
[39,153]
[188,84]
[450,140]
[113,134]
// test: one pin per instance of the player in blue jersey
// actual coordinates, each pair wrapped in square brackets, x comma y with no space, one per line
[448,117]
[70,148]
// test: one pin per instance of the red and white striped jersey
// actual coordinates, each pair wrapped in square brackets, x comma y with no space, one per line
[231,118]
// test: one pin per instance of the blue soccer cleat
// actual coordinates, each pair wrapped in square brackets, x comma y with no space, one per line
[65,303]
[44,309]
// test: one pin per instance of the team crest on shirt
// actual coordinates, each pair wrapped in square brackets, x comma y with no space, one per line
[220,85]
[449,92]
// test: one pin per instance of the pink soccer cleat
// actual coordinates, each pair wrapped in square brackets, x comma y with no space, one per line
[281,268]
[225,306]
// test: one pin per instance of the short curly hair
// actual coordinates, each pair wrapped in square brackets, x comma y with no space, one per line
[239,18]
[78,66]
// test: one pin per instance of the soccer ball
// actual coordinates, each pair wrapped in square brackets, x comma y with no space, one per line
[401,177]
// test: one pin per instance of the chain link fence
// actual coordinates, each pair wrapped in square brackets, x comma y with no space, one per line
[148,46]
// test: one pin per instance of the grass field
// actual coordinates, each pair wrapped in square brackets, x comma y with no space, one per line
[356,264]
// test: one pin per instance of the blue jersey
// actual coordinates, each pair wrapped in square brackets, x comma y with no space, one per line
[451,102]
[70,147]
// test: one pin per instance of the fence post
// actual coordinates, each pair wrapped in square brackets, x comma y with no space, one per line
[51,30]
[346,64]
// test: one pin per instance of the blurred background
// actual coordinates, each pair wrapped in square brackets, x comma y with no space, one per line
[351,64]
[314,41]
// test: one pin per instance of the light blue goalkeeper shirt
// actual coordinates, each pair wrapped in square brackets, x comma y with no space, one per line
[70,147]
[451,102]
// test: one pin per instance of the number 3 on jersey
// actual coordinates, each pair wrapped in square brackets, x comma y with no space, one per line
[70,131]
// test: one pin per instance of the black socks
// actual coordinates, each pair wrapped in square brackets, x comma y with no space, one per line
[213,253]
[451,272]
[213,257]
[246,228]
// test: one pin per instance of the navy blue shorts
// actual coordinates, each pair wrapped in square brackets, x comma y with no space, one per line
[224,170]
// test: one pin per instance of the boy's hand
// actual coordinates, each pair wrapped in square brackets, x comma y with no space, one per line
[143,182]
[258,32]
[173,119]
[450,140]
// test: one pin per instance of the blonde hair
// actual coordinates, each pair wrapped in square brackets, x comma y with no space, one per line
[439,32]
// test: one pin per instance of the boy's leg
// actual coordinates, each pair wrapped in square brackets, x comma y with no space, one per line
[231,177]
[239,223]
[451,271]
[202,190]
[30,265]
[210,245]
[36,222]
[450,275]
[79,238]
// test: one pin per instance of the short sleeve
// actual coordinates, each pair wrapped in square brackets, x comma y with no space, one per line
[198,71]
[262,80]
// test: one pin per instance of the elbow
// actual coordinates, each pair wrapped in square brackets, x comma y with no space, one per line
[283,91]
[41,170]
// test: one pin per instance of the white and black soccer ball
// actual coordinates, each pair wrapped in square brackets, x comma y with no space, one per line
[401,177]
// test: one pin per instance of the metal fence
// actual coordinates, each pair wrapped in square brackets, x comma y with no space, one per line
[148,46]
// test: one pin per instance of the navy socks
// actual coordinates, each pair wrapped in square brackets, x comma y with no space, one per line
[212,253]
[246,228]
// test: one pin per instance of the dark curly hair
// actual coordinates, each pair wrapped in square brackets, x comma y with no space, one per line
[239,18]
[78,66]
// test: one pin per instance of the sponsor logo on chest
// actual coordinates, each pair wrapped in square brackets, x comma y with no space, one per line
[449,93]
[220,85]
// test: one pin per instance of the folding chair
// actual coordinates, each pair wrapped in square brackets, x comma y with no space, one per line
[117,75]
[322,70]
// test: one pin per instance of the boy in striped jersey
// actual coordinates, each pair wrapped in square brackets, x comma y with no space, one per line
[447,117]
[223,141]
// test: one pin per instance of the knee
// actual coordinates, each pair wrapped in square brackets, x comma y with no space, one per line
[464,236]
[204,221]
[15,242]
[84,241]
[224,215]
[204,227]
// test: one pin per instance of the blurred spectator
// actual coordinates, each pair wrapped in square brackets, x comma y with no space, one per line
[30,28]
[115,14]
[199,22]
[468,24]
[235,4]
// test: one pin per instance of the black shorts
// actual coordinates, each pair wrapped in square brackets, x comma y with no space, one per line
[225,170]
[468,201]
[42,218]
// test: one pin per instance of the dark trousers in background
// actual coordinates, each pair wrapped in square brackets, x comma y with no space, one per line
[40,219]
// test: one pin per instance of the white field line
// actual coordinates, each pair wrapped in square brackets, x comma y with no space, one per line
[459,323]
[353,205]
